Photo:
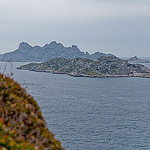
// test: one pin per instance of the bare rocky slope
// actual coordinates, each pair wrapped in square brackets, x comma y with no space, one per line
[22,126]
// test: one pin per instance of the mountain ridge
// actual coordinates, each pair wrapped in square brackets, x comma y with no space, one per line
[28,53]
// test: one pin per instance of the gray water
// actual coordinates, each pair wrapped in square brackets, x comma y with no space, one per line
[91,113]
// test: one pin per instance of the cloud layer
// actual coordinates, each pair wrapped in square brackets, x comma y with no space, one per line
[115,27]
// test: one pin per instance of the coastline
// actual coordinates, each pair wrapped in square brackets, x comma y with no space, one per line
[74,74]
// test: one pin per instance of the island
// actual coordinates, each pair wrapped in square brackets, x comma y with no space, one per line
[105,66]
[135,59]
[22,126]
[27,53]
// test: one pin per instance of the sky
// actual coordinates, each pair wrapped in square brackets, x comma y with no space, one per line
[120,27]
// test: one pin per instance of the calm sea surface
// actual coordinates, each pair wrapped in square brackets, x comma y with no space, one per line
[91,113]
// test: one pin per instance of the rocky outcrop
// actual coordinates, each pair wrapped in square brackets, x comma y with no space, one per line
[103,67]
[22,126]
[135,59]
[27,53]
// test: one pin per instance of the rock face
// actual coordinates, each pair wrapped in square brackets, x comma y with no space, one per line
[135,59]
[27,53]
[22,126]
[102,67]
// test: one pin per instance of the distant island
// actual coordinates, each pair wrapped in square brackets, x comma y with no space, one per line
[105,66]
[27,53]
[135,59]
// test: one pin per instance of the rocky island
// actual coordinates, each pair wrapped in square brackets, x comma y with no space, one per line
[135,59]
[22,126]
[105,66]
[28,53]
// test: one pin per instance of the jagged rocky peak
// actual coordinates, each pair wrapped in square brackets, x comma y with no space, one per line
[74,47]
[24,46]
[135,57]
[57,44]
[53,44]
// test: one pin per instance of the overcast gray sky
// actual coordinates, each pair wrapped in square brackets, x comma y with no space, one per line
[120,27]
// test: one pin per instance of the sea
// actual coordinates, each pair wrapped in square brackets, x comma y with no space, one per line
[90,113]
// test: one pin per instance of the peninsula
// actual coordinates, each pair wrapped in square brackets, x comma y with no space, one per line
[105,66]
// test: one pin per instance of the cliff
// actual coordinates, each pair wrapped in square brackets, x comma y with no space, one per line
[22,126]
[27,53]
[102,67]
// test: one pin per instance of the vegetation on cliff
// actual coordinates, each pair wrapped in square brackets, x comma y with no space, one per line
[104,66]
[22,126]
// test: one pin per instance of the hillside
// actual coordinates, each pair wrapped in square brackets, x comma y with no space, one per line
[22,126]
[27,53]
[102,67]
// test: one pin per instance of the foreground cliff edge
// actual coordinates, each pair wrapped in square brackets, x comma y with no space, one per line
[105,66]
[22,126]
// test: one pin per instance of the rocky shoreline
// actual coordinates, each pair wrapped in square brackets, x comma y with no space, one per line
[74,74]
[79,67]
[143,75]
